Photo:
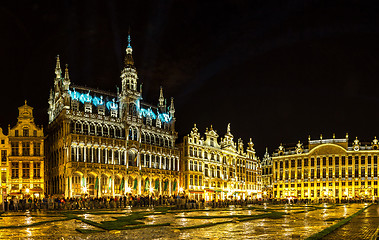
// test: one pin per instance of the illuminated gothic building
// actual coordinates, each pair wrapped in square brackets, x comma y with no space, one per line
[4,164]
[327,169]
[214,169]
[25,156]
[108,144]
[266,164]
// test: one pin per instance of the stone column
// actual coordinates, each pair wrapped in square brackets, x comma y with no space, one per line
[169,186]
[69,186]
[160,185]
[66,191]
[112,184]
[139,184]
[99,187]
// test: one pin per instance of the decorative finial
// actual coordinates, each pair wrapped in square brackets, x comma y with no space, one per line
[58,71]
[172,107]
[161,98]
[334,135]
[26,102]
[66,73]
[228,128]
[129,39]
[320,136]
[347,135]
[309,137]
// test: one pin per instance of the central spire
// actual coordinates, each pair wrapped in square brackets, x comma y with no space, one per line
[129,62]
[129,73]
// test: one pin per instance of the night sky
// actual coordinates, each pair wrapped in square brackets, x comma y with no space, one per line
[276,72]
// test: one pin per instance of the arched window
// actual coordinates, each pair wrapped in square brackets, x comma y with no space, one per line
[153,139]
[85,128]
[148,140]
[135,134]
[143,137]
[111,132]
[130,134]
[118,132]
[105,131]
[99,130]
[92,129]
[78,127]
[132,109]
[132,158]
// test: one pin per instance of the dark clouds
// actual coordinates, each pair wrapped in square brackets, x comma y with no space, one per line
[276,72]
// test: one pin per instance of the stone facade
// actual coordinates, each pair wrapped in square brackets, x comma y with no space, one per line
[22,158]
[327,169]
[218,170]
[108,144]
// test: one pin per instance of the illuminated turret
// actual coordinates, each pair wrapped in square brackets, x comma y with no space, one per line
[58,70]
[161,103]
[172,108]
[129,73]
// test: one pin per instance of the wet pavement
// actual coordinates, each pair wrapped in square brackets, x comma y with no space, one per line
[299,222]
[362,226]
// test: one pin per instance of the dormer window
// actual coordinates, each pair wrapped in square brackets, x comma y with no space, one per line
[212,142]
[101,110]
[25,132]
[158,123]
[149,121]
[75,105]
[113,113]
[88,107]
[16,133]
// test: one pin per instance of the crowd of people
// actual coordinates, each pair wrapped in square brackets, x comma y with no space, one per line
[61,203]
[175,201]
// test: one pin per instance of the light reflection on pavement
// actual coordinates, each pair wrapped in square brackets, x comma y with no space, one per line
[295,225]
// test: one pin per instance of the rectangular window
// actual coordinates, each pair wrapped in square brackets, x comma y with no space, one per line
[350,160]
[330,161]
[343,160]
[305,162]
[375,159]
[337,161]
[3,156]
[343,172]
[25,132]
[16,133]
[336,172]
[363,160]
[25,148]
[350,172]
[37,170]
[323,161]
[14,146]
[15,169]
[362,171]
[356,172]
[25,170]
[37,149]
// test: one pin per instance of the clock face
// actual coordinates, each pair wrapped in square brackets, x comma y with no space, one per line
[356,148]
